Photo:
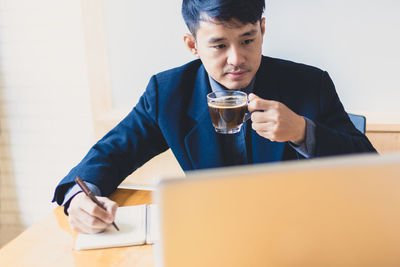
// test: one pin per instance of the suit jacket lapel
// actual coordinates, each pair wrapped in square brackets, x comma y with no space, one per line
[201,142]
[266,87]
[264,150]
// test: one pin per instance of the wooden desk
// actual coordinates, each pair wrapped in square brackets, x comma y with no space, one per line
[51,241]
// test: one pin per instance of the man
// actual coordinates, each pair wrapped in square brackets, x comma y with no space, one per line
[296,112]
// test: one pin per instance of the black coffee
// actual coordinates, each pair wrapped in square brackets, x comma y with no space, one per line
[227,112]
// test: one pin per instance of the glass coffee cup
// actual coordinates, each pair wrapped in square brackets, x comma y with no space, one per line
[228,110]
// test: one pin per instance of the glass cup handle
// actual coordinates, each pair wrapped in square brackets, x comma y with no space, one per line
[247,116]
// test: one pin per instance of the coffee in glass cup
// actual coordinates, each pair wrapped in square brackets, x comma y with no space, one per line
[228,109]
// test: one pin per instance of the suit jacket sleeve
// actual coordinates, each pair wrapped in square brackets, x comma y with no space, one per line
[335,133]
[135,140]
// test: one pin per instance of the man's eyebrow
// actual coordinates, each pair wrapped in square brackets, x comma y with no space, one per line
[219,39]
[215,40]
[249,33]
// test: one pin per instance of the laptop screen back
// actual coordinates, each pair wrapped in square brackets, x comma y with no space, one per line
[324,212]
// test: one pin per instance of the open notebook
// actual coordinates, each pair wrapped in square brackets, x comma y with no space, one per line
[137,226]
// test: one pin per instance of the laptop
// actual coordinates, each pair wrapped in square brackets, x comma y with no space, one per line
[337,211]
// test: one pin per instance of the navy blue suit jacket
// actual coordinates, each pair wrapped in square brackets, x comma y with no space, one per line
[173,113]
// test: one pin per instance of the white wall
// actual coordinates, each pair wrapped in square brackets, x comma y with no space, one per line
[45,113]
[355,41]
[142,40]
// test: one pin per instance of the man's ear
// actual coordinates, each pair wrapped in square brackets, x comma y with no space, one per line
[190,43]
[262,24]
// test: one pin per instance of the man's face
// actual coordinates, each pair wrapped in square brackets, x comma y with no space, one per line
[230,52]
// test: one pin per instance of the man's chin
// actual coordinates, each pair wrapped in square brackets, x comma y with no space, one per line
[236,85]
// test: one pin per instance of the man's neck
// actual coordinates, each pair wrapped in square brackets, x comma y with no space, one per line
[215,86]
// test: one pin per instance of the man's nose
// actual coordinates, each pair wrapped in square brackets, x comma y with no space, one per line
[235,56]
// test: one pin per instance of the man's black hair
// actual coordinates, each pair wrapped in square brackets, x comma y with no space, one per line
[246,11]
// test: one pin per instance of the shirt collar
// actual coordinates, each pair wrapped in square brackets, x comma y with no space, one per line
[215,86]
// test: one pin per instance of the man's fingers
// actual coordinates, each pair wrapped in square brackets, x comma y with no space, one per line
[87,226]
[86,217]
[263,127]
[81,221]
[275,121]
[264,116]
[257,103]
[268,134]
[92,209]
[111,207]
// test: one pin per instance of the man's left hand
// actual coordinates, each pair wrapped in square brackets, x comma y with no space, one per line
[275,121]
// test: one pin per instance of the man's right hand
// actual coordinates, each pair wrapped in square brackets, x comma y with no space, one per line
[86,217]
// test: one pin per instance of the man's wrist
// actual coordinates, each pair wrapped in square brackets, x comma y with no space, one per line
[68,203]
[74,190]
[301,136]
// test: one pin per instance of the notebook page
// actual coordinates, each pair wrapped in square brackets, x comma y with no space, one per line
[152,225]
[131,221]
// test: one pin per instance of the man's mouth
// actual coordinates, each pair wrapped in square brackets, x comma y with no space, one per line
[237,74]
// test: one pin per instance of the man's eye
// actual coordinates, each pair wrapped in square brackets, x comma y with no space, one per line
[220,46]
[248,41]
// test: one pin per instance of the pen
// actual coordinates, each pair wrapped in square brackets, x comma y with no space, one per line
[90,194]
